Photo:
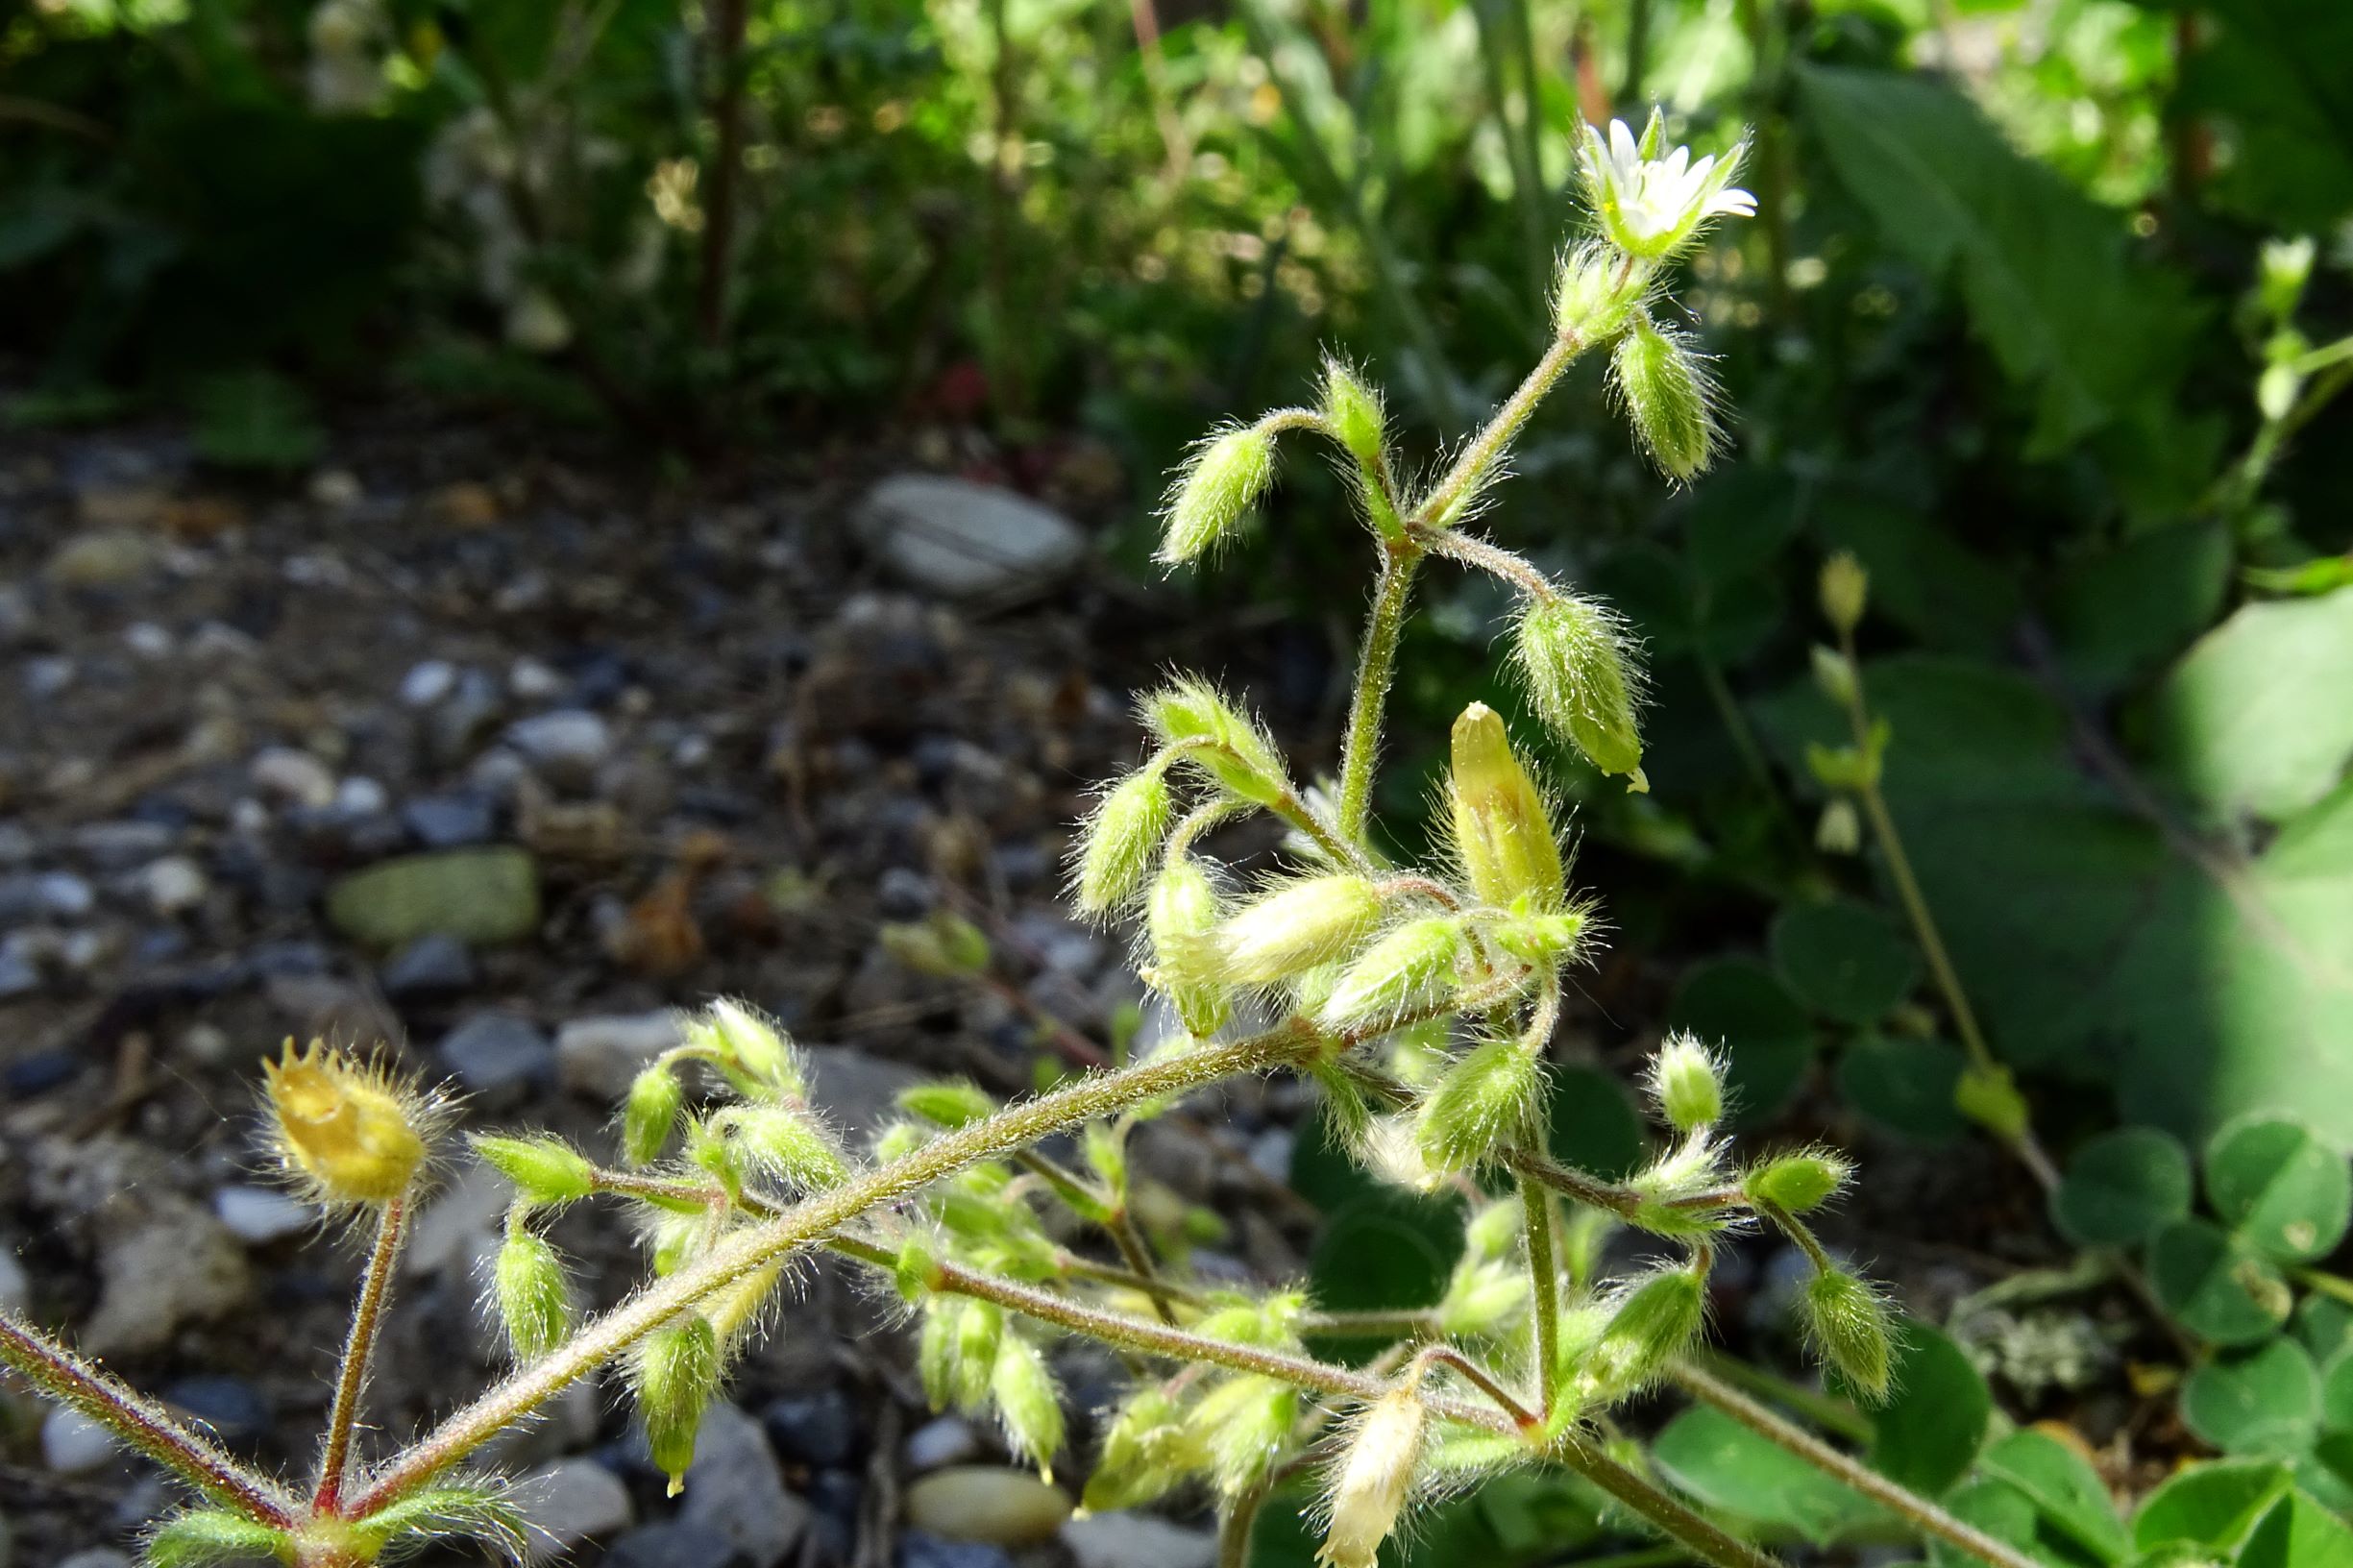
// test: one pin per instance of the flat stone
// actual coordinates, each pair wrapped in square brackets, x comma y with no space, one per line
[428,683]
[481,897]
[568,743]
[173,885]
[946,1440]
[921,1548]
[568,1503]
[450,822]
[963,540]
[103,559]
[986,1503]
[819,1429]
[497,1054]
[673,1544]
[599,1057]
[72,1444]
[294,776]
[259,1216]
[1137,1540]
[434,965]
[735,1490]
[180,1265]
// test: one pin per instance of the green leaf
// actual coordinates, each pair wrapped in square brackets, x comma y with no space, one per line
[1906,1085]
[2337,1391]
[2117,614]
[1930,1430]
[1385,1250]
[2298,1533]
[1847,960]
[1729,1468]
[2003,1511]
[1922,578]
[256,419]
[2123,1188]
[2325,1324]
[1593,1125]
[2253,718]
[2043,271]
[2285,1195]
[2211,1506]
[2266,1403]
[2214,1286]
[2067,1491]
[1742,1005]
[2266,75]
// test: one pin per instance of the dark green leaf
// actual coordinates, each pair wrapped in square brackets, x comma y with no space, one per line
[2117,615]
[1384,1251]
[2253,720]
[2283,1193]
[2265,1403]
[1849,961]
[2123,1188]
[2298,1533]
[254,418]
[1922,578]
[2214,1286]
[2268,76]
[1594,1125]
[2067,1491]
[1906,1085]
[2211,1506]
[1731,1469]
[1930,1429]
[2337,1391]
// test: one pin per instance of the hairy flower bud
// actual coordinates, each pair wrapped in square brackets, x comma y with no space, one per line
[980,1331]
[1669,397]
[1222,479]
[1028,1400]
[1578,666]
[943,944]
[1242,1425]
[1845,1323]
[1845,591]
[1294,928]
[1409,968]
[546,1170]
[675,1373]
[527,1285]
[747,1044]
[1482,1298]
[1147,1451]
[1215,737]
[1795,1183]
[1688,1083]
[1181,918]
[1119,840]
[948,1102]
[784,1144]
[1501,830]
[348,1132]
[1834,677]
[1370,1482]
[1598,292]
[1488,1099]
[1654,1322]
[650,1112]
[1353,411]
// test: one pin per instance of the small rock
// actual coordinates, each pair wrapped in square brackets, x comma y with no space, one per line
[108,558]
[534,681]
[566,744]
[461,1224]
[337,489]
[570,1502]
[467,503]
[294,776]
[921,1548]
[360,797]
[963,540]
[72,1444]
[496,1055]
[173,885]
[1137,1540]
[47,677]
[858,1091]
[735,1490]
[259,1216]
[434,965]
[122,845]
[180,1265]
[599,1057]
[984,1503]
[481,896]
[450,822]
[904,894]
[819,1429]
[147,640]
[97,1556]
[232,1407]
[942,1440]
[65,897]
[428,683]
[673,1544]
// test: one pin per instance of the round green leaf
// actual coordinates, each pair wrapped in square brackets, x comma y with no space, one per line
[2337,1391]
[2210,1506]
[1384,1251]
[2123,1188]
[2000,1509]
[1741,1005]
[2214,1287]
[1847,960]
[1928,1432]
[1592,1125]
[2325,1324]
[2266,1403]
[1731,1469]
[1905,1086]
[2284,1193]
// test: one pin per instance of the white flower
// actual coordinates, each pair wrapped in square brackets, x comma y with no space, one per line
[1651,207]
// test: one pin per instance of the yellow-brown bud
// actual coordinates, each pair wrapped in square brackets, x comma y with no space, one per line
[349,1131]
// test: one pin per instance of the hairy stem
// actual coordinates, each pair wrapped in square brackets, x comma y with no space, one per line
[1901,1500]
[143,1424]
[1376,664]
[1544,1281]
[1684,1525]
[1443,505]
[1494,559]
[1821,1408]
[359,1352]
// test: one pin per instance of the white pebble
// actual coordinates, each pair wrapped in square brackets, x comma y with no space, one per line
[173,885]
[257,1216]
[72,1444]
[292,775]
[428,683]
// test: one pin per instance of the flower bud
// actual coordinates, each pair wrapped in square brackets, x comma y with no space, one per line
[1577,663]
[1147,1450]
[1493,1231]
[1216,738]
[1028,1400]
[209,1536]
[2284,267]
[783,1145]
[1845,1323]
[1655,1321]
[1795,1183]
[1834,677]
[1221,480]
[1482,1298]
[527,1285]
[1296,928]
[1353,411]
[1598,292]
[1242,1426]
[1119,840]
[1844,590]
[1840,830]
[980,1331]
[349,1132]
[1688,1083]
[1409,968]
[750,1044]
[1488,1099]
[1668,396]
[674,1372]
[546,1170]
[1371,1480]
[1501,830]
[1181,919]
[948,1102]
[1989,1096]
[1104,1145]
[1541,939]
[943,945]
[650,1112]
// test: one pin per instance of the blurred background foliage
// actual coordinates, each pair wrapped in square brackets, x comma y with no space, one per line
[2042,319]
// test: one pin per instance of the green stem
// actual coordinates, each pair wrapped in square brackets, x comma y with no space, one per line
[1544,1280]
[1688,1528]
[143,1424]
[358,1353]
[1443,506]
[1921,1513]
[1494,559]
[1238,1523]
[1376,664]
[1821,1408]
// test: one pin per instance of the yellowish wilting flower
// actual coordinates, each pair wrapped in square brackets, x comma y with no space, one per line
[347,1130]
[1371,1484]
[1650,206]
